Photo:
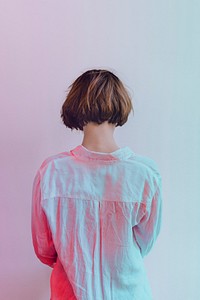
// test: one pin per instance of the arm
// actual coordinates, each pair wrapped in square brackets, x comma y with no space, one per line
[41,233]
[148,228]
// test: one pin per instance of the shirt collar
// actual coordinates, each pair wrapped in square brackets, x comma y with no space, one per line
[83,153]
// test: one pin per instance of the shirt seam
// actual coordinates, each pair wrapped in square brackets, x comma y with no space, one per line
[87,199]
[105,161]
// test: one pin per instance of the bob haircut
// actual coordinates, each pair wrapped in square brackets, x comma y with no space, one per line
[96,96]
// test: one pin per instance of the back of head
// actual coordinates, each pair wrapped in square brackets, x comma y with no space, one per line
[96,96]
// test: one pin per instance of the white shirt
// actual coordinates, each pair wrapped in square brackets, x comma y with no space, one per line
[94,216]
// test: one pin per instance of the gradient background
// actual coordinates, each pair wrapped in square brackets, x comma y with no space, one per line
[153,46]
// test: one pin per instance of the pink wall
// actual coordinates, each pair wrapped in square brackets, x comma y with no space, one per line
[153,47]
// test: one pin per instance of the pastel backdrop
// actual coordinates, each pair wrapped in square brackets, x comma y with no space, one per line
[153,46]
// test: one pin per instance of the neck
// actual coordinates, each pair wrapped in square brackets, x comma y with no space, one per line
[99,138]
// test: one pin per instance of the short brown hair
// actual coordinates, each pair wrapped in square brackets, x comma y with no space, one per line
[96,96]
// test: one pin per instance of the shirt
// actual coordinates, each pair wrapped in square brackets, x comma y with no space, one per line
[95,215]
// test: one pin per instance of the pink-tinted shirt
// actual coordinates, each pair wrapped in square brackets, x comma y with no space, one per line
[95,216]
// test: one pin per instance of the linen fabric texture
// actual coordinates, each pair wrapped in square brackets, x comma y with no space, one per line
[95,216]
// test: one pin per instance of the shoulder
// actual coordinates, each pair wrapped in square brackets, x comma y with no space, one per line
[147,162]
[148,166]
[51,162]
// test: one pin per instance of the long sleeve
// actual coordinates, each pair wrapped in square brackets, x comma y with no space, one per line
[148,228]
[41,234]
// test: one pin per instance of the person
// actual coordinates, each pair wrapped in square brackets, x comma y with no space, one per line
[96,209]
